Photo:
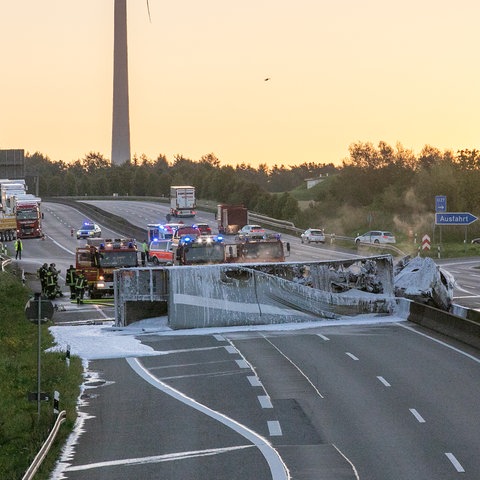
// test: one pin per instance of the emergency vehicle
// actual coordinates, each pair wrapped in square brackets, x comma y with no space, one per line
[270,249]
[199,250]
[100,257]
[161,252]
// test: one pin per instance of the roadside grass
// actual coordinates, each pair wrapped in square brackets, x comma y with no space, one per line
[22,431]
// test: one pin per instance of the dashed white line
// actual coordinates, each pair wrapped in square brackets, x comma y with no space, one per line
[274,428]
[254,381]
[455,462]
[230,349]
[384,381]
[242,364]
[419,418]
[323,337]
[265,401]
[351,355]
[278,469]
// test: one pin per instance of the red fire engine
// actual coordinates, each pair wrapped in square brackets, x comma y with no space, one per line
[100,257]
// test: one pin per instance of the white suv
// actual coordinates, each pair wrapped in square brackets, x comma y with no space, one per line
[376,236]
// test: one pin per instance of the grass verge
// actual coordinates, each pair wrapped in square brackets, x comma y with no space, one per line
[22,430]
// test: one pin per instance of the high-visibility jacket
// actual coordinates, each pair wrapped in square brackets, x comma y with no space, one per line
[50,279]
[71,276]
[80,281]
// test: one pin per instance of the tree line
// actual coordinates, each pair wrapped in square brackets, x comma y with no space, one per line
[380,186]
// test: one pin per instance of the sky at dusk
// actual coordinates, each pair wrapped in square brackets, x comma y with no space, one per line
[340,72]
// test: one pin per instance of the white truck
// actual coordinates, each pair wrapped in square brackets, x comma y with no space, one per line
[182,201]
[8,190]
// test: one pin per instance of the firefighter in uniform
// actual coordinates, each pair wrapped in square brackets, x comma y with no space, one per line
[70,280]
[55,272]
[42,275]
[80,284]
[50,284]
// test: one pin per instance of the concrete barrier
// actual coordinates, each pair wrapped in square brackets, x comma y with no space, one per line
[449,324]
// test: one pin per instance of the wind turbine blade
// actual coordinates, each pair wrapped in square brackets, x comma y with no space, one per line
[148,9]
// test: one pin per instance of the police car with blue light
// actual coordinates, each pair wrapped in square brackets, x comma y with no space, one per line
[89,230]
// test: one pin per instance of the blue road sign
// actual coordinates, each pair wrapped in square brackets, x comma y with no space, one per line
[454,218]
[441,203]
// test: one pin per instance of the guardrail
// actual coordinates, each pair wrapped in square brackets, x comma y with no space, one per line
[115,222]
[32,470]
[4,260]
[109,220]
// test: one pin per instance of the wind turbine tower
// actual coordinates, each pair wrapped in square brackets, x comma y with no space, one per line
[121,114]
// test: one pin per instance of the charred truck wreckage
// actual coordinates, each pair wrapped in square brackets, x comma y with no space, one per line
[255,293]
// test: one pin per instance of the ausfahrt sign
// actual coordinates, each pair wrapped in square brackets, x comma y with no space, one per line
[454,218]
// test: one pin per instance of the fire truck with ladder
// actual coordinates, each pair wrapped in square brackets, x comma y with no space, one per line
[100,257]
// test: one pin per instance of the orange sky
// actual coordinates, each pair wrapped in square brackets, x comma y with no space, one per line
[340,72]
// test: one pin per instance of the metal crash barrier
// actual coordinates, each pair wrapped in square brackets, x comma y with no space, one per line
[254,294]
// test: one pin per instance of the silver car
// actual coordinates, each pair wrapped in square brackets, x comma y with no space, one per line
[376,236]
[313,235]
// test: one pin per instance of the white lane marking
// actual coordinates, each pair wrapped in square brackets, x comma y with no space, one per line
[351,355]
[242,364]
[471,357]
[155,458]
[198,375]
[274,428]
[384,381]
[219,338]
[182,365]
[295,365]
[455,462]
[419,418]
[265,401]
[357,476]
[323,337]
[230,349]
[101,312]
[254,381]
[277,467]
[60,245]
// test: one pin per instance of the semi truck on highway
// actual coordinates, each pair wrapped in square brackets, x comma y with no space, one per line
[28,216]
[8,190]
[231,218]
[182,201]
[8,227]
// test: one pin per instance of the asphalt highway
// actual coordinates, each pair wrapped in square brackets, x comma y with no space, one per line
[376,402]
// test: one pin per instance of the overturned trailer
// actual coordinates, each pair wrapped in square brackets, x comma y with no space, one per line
[254,293]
